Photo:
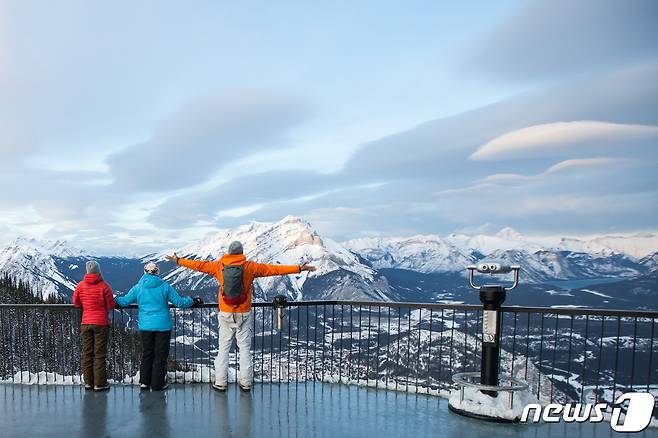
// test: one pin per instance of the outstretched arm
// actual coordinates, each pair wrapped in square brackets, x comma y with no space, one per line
[128,298]
[265,270]
[198,265]
[176,299]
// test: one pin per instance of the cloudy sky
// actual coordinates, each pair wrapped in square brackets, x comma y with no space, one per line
[127,126]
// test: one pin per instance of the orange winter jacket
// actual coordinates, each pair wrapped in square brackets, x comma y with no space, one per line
[251,271]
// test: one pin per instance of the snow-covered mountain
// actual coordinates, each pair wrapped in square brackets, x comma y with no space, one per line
[417,253]
[505,240]
[291,241]
[37,262]
[542,258]
[53,268]
[357,269]
[634,246]
[650,262]
[545,266]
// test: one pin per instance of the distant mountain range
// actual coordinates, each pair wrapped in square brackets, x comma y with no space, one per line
[419,268]
[542,258]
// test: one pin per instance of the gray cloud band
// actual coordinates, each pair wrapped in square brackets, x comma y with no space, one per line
[430,164]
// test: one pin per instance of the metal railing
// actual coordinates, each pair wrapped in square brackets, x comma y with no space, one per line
[563,354]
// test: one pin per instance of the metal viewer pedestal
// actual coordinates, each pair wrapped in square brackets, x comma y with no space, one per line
[492,298]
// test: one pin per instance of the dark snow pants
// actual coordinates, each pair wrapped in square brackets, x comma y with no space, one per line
[94,353]
[155,350]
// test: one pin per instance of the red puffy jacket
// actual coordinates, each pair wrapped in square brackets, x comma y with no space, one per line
[95,297]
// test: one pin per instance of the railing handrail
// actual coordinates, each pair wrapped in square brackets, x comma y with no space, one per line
[397,304]
[582,311]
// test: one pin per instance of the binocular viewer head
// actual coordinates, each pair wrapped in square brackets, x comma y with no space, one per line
[492,268]
[280,301]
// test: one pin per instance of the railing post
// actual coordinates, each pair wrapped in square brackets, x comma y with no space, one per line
[492,297]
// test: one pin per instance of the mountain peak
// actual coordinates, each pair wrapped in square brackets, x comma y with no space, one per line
[291,218]
[295,221]
[509,233]
[290,241]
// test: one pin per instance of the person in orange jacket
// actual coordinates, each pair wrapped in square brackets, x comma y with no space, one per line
[236,275]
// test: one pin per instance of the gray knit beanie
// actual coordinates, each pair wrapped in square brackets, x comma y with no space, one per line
[93,267]
[235,248]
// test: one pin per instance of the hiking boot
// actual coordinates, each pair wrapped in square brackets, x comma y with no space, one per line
[89,387]
[102,388]
[218,387]
[166,385]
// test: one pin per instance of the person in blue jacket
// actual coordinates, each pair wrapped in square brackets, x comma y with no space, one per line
[153,296]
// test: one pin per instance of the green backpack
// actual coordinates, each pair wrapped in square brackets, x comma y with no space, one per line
[233,291]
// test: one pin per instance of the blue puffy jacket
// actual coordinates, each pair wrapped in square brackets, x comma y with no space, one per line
[153,296]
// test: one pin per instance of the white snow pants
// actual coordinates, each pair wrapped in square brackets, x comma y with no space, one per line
[238,325]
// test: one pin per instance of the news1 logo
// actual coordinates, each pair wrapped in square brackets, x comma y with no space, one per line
[639,410]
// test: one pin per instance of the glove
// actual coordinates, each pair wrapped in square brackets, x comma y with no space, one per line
[197,301]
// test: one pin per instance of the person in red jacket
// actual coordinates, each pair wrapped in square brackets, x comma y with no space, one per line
[94,295]
[236,275]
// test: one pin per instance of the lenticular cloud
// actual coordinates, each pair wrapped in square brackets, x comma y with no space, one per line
[546,137]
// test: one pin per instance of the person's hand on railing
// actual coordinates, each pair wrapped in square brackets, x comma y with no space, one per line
[307,267]
[172,258]
[116,304]
[197,302]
